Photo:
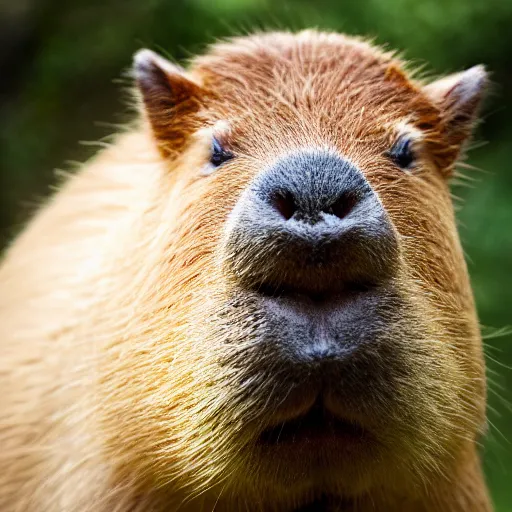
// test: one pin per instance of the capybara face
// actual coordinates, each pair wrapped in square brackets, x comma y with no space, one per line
[301,321]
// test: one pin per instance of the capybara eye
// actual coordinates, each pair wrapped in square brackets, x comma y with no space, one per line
[219,155]
[402,153]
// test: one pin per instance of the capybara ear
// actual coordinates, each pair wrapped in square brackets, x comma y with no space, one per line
[458,97]
[171,100]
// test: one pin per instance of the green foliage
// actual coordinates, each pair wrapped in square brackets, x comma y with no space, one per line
[60,63]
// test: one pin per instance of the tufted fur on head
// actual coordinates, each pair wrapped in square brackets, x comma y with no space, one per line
[137,374]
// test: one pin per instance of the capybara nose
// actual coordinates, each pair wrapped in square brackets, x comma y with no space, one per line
[324,190]
[310,223]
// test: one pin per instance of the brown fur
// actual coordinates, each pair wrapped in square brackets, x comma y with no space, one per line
[121,348]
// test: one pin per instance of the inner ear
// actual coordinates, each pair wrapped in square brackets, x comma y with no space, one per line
[172,100]
[458,98]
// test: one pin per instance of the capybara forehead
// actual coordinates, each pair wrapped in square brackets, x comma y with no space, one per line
[318,86]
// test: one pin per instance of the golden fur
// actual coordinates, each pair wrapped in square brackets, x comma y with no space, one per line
[121,351]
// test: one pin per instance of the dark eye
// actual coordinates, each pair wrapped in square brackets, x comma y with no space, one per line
[402,153]
[219,155]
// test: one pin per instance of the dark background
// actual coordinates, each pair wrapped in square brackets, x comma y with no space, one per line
[61,69]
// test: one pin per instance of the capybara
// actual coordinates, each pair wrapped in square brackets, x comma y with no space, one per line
[254,299]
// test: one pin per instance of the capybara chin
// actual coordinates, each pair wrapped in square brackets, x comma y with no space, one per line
[253,300]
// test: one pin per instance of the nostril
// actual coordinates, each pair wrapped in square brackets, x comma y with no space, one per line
[284,203]
[343,205]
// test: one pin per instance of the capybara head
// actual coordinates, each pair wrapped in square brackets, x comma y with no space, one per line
[298,319]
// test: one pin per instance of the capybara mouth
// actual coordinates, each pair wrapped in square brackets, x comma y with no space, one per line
[275,290]
[318,425]
[322,332]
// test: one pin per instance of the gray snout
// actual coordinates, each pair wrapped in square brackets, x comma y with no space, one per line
[310,224]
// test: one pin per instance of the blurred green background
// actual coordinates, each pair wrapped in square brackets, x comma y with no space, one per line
[61,69]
